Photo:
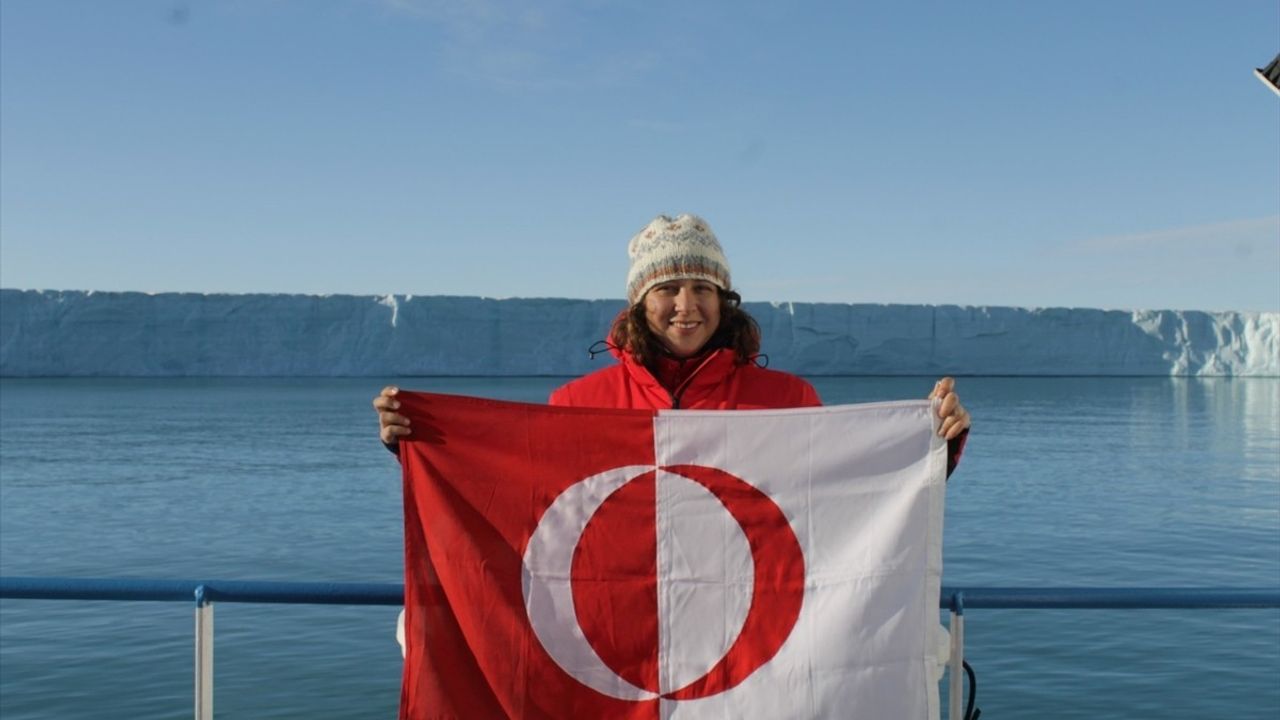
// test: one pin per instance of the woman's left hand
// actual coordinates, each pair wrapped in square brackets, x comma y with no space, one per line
[955,419]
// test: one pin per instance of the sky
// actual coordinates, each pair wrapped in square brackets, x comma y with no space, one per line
[1101,154]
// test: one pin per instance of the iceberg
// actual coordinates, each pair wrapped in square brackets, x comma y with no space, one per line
[129,334]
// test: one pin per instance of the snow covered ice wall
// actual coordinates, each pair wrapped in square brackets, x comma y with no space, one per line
[72,333]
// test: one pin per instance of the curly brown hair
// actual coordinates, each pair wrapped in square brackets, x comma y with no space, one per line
[737,331]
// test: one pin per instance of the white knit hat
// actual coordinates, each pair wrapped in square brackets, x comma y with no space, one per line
[680,248]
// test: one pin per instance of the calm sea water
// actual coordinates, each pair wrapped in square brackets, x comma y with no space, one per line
[1067,481]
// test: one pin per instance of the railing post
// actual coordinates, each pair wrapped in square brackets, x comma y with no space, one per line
[955,700]
[204,656]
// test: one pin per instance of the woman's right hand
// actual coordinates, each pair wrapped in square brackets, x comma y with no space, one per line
[391,424]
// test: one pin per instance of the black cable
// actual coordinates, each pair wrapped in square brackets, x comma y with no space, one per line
[970,712]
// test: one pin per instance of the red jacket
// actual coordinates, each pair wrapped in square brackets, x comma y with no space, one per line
[712,382]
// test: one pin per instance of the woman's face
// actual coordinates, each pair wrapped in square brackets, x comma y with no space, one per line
[683,314]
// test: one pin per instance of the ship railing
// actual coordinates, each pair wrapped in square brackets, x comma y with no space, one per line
[205,593]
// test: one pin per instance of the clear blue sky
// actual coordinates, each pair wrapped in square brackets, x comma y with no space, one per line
[1089,154]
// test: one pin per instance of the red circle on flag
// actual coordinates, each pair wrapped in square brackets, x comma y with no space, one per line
[614,581]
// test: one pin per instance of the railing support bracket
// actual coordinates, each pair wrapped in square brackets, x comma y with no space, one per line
[204,655]
[955,664]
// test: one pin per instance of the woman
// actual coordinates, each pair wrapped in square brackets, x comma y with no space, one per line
[684,342]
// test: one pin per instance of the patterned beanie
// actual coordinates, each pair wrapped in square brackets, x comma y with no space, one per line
[683,248]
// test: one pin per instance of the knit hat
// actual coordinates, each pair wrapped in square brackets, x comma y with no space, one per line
[683,248]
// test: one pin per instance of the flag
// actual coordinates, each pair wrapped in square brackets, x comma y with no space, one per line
[596,563]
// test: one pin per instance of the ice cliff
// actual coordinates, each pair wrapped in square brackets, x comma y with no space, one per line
[72,333]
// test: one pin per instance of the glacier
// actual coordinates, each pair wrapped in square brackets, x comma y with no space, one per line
[130,334]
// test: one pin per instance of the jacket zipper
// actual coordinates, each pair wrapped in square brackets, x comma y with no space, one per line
[675,396]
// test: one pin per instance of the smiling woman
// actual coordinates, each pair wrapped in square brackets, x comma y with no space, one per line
[681,301]
[683,314]
[684,342]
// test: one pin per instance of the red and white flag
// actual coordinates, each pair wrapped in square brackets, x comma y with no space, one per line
[583,563]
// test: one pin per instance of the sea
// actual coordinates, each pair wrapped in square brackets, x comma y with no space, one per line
[1115,482]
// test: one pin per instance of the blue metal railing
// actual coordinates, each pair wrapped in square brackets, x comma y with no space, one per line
[316,593]
[206,592]
[1083,598]
[237,591]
